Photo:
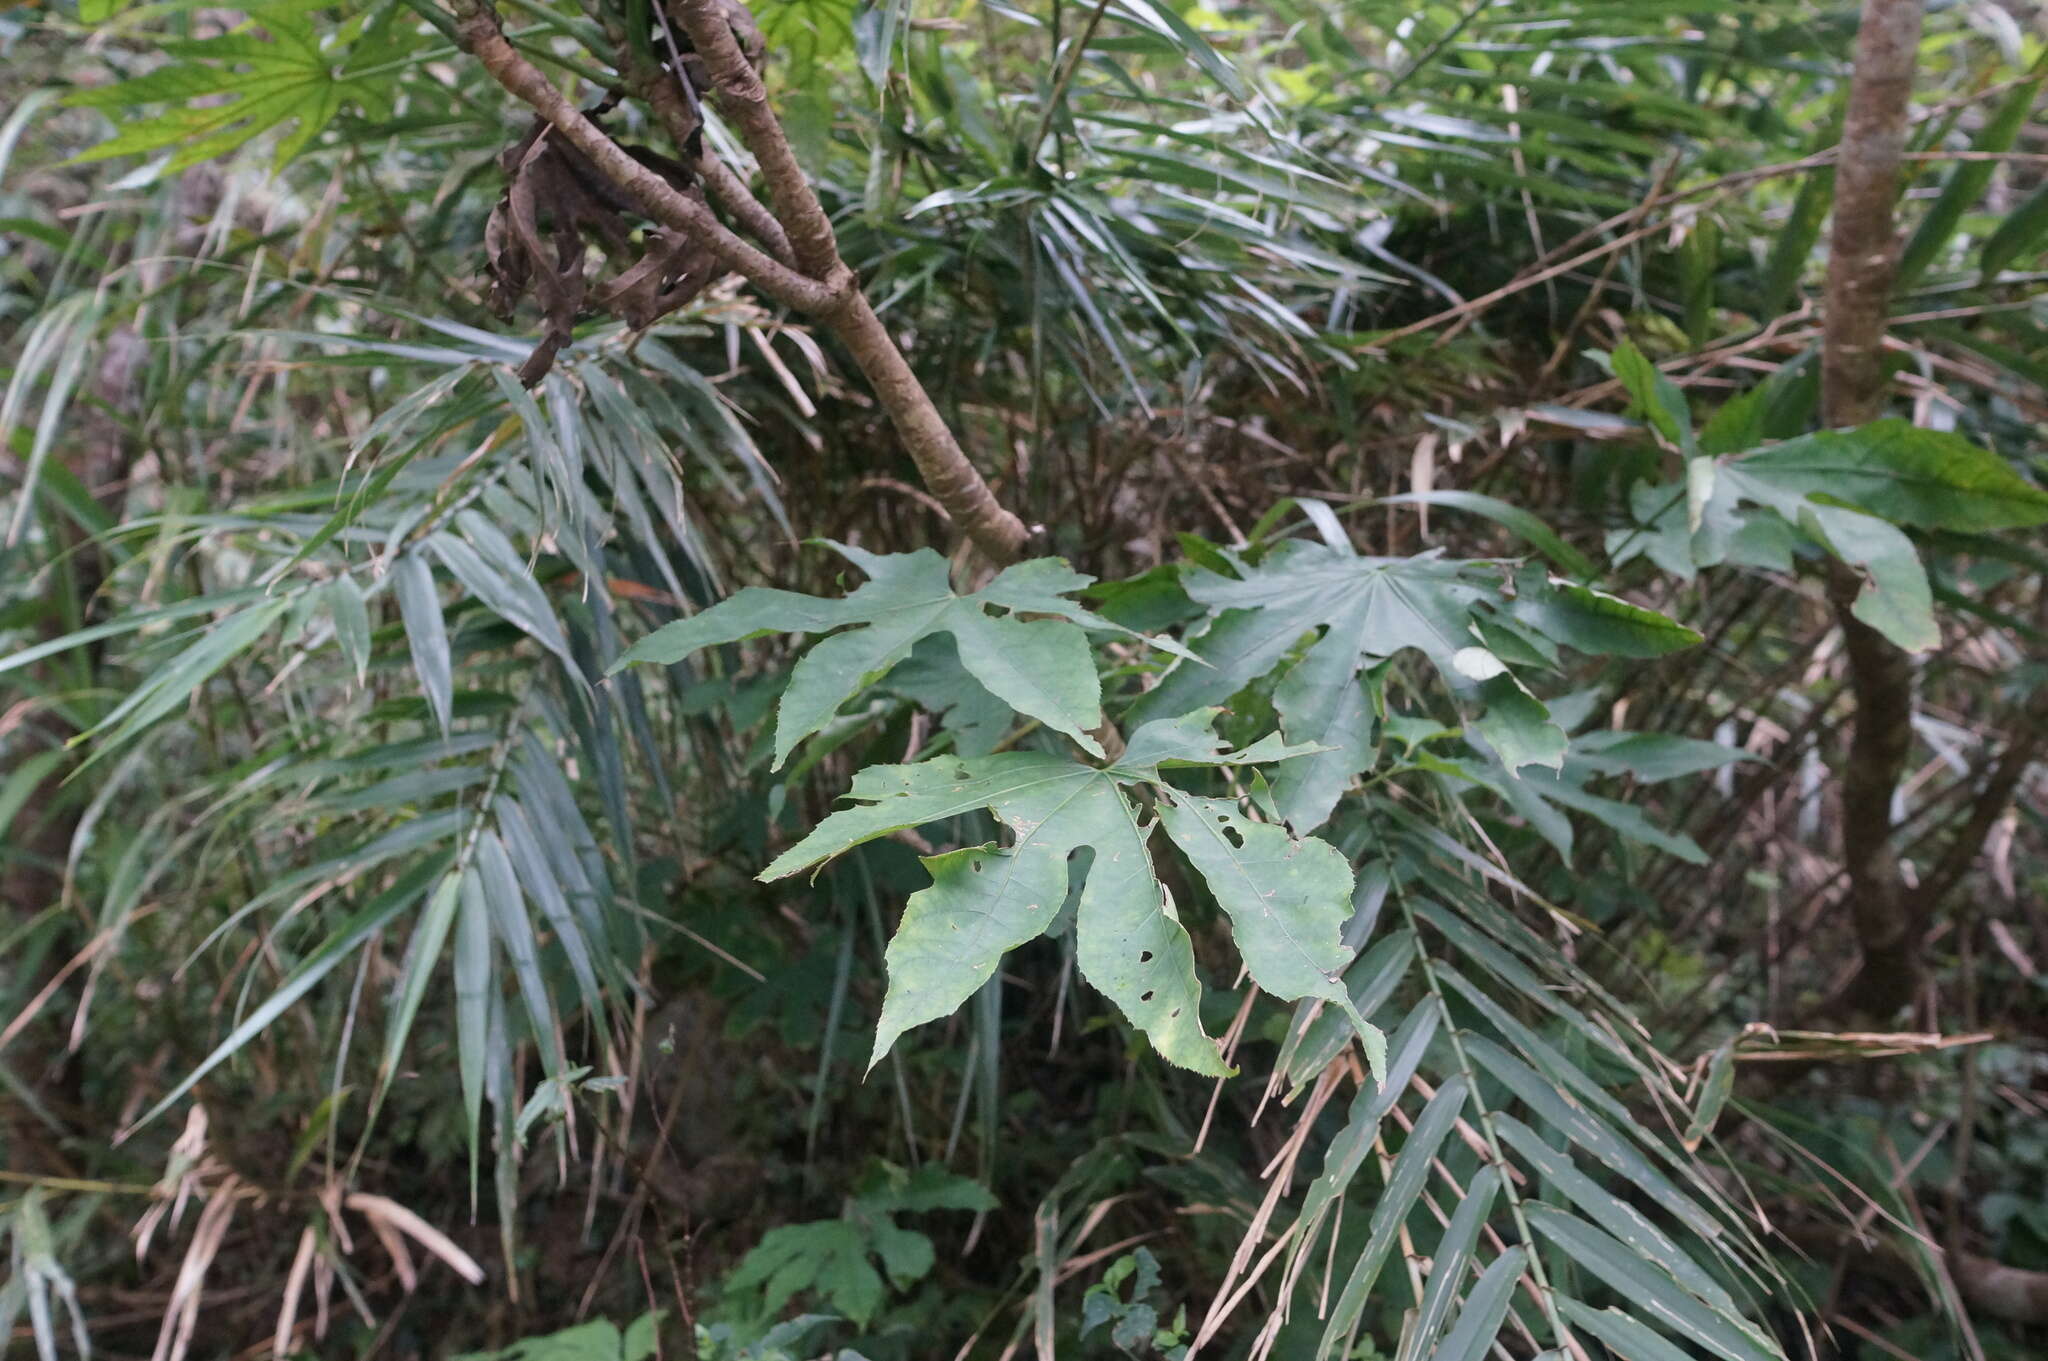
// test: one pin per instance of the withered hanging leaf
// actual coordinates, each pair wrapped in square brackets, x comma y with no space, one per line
[558,204]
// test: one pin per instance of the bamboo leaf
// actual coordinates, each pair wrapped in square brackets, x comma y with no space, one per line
[426,633]
[422,957]
[473,990]
[1447,1268]
[1485,1308]
[1967,182]
[374,916]
[1404,1188]
[513,931]
[1648,1289]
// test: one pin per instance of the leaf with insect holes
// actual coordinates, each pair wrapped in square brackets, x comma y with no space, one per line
[1359,611]
[1041,667]
[1287,897]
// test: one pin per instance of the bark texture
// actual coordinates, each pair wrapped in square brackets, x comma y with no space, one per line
[1863,258]
[1863,244]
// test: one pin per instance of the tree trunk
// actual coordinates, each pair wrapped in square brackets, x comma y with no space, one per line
[1863,259]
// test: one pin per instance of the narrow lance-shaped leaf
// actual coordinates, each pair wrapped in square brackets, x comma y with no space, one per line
[472,1008]
[1649,1290]
[1448,1263]
[537,877]
[1627,1337]
[173,683]
[1715,1090]
[2023,230]
[422,958]
[1486,1308]
[426,633]
[1624,1221]
[1968,180]
[1404,1187]
[129,623]
[514,932]
[504,588]
[316,966]
[351,616]
[1517,519]
[1347,1152]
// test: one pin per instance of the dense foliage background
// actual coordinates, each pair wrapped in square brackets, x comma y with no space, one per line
[1426,402]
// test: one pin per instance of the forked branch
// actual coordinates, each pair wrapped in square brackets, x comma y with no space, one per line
[800,266]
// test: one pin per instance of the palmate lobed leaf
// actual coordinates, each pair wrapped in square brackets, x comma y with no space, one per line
[1287,897]
[829,1257]
[1040,667]
[277,77]
[1367,609]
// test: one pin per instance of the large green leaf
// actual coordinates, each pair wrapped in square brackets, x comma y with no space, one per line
[829,1257]
[1367,608]
[1846,491]
[1287,897]
[1359,612]
[1654,396]
[1042,668]
[1928,479]
[1596,623]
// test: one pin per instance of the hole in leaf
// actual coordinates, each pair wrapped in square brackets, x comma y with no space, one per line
[1145,996]
[1144,956]
[974,865]
[1173,1015]
[1235,837]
